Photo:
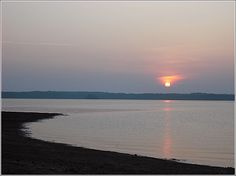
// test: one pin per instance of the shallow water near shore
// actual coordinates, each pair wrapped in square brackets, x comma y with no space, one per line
[199,132]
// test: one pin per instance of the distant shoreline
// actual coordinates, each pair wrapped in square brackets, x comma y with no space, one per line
[115,96]
[24,155]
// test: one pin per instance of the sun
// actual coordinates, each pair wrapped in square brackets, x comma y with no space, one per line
[170,80]
[167,84]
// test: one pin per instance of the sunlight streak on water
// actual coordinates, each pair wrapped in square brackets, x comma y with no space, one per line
[167,145]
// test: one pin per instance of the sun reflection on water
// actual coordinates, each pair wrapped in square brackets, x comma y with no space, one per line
[167,137]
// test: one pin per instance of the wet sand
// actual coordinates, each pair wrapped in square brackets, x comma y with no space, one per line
[24,155]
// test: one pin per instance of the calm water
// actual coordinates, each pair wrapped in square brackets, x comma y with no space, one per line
[192,131]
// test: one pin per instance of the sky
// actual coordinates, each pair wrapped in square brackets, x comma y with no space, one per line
[118,46]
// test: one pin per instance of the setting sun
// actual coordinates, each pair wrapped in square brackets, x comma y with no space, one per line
[167,84]
[167,81]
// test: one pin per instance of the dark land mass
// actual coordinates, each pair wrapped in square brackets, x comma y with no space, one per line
[107,95]
[24,155]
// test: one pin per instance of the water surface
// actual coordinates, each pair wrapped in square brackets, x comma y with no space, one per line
[193,131]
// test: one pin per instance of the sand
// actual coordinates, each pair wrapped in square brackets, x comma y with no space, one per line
[24,155]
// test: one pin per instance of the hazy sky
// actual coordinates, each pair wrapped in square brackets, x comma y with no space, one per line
[118,46]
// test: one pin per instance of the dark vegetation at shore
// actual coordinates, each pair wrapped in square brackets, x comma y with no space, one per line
[106,95]
[24,155]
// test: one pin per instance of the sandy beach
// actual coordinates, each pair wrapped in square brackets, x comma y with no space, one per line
[24,155]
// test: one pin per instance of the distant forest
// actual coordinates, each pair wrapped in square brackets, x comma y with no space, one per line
[106,95]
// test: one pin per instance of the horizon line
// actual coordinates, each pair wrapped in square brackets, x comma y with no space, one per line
[115,92]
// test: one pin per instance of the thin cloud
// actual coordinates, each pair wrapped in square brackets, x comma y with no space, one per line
[37,43]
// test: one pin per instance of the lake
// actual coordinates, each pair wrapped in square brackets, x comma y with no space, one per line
[200,132]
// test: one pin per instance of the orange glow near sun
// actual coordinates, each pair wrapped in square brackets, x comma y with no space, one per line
[167,81]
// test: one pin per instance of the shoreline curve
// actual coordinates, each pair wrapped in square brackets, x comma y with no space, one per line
[25,155]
